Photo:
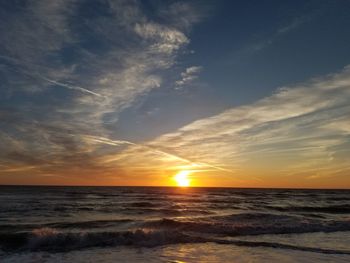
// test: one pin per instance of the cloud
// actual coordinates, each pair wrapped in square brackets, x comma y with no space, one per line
[167,40]
[132,155]
[183,15]
[188,76]
[292,25]
[49,49]
[299,129]
[71,87]
[37,28]
[67,78]
[269,39]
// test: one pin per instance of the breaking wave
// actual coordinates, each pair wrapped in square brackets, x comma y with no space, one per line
[49,239]
[148,217]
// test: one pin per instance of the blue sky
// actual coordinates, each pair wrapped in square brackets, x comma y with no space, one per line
[114,92]
[246,50]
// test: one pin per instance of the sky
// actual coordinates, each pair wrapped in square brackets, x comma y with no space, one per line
[231,93]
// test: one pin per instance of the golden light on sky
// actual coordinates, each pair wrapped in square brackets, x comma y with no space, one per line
[140,101]
[182,179]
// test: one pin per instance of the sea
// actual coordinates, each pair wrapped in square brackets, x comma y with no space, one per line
[165,224]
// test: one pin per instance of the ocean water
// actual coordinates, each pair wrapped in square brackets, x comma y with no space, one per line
[160,224]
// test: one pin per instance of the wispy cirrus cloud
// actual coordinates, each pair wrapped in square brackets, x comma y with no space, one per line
[268,39]
[74,68]
[70,69]
[298,130]
[188,76]
[298,133]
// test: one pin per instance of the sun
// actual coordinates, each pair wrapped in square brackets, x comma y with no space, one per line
[182,179]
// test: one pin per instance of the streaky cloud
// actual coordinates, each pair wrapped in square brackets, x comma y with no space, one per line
[71,87]
[148,149]
[302,127]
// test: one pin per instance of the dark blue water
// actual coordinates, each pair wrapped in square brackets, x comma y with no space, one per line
[63,219]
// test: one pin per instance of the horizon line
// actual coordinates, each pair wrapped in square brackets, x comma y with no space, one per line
[169,186]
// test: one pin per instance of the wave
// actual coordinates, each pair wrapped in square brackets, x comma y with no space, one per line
[51,240]
[332,209]
[6,228]
[142,204]
[89,224]
[252,224]
[171,211]
[339,198]
[282,246]
[229,225]
[134,208]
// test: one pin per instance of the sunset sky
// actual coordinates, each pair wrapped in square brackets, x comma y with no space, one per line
[228,93]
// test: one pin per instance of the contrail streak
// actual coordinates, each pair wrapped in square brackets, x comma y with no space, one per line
[71,87]
[32,74]
[153,150]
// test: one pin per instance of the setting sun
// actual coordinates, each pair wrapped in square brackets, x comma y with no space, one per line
[182,179]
